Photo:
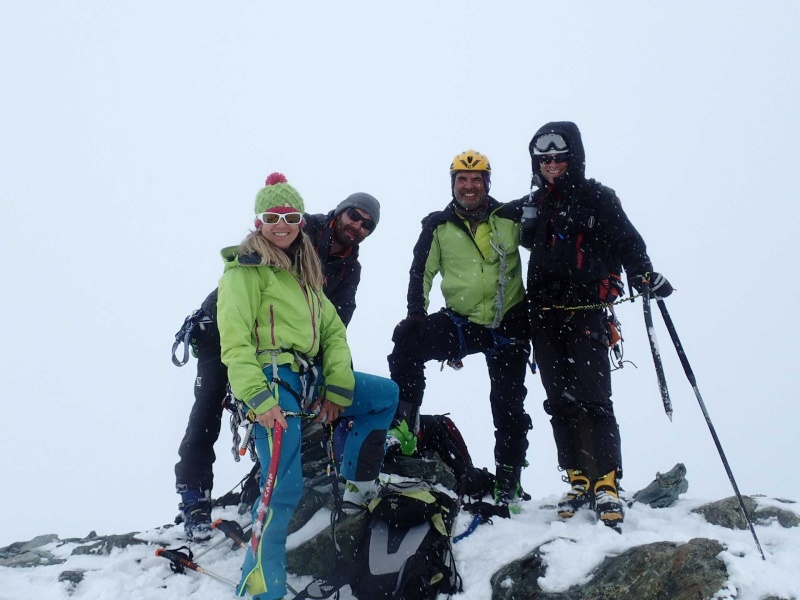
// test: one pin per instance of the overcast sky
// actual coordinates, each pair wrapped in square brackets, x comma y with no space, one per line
[134,137]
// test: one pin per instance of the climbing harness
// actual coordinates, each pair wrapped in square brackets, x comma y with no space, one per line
[498,341]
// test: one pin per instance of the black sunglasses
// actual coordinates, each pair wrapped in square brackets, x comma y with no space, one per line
[557,158]
[355,217]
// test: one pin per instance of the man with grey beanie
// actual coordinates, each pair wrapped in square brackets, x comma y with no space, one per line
[363,202]
[336,236]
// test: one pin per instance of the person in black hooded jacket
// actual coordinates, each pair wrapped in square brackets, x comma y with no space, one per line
[579,238]
[336,238]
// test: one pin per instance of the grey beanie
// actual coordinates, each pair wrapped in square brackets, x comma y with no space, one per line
[363,201]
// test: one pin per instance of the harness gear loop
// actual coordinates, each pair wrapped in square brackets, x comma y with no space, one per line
[306,366]
[275,377]
[241,413]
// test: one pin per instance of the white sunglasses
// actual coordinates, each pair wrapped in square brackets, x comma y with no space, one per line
[271,218]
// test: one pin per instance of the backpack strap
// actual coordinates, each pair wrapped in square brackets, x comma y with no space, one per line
[343,574]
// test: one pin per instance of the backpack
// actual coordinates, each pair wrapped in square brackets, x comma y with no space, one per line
[439,434]
[407,553]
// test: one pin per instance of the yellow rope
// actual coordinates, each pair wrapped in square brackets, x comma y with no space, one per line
[593,306]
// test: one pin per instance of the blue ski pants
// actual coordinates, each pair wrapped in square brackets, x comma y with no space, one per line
[374,404]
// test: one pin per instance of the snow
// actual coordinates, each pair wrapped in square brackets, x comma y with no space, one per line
[570,549]
[126,164]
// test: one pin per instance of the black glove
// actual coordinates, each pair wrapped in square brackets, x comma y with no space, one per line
[409,328]
[659,286]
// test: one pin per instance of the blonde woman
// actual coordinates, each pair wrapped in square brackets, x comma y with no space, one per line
[273,319]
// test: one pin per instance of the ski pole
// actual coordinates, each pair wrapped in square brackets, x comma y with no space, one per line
[221,540]
[693,381]
[234,532]
[651,335]
[180,561]
[269,485]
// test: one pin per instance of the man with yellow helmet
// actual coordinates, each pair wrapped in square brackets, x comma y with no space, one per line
[474,244]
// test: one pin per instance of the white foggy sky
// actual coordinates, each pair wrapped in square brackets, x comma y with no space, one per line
[134,136]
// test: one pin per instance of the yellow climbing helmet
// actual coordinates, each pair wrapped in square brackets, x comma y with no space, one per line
[470,160]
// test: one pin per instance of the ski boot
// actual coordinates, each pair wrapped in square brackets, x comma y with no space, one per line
[577,497]
[196,512]
[607,504]
[404,429]
[357,495]
[507,489]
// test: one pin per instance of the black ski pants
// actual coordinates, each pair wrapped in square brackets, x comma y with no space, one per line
[194,470]
[437,338]
[572,354]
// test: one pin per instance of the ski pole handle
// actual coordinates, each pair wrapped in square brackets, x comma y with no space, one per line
[181,561]
[178,559]
[231,529]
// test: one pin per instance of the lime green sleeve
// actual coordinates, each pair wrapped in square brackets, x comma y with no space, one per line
[336,359]
[237,312]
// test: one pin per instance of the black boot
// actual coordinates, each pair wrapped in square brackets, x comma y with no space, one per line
[507,490]
[196,512]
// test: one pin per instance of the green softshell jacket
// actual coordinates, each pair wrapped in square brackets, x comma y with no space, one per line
[481,274]
[262,312]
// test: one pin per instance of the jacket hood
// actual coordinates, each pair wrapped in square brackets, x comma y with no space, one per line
[231,257]
[576,173]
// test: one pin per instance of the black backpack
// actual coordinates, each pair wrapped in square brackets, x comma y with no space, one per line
[439,434]
[407,553]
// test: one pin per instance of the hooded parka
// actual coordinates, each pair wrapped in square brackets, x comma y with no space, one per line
[579,238]
[264,313]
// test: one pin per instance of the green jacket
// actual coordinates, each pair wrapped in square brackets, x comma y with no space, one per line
[481,273]
[262,312]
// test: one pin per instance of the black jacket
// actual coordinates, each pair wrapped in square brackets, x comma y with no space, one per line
[577,232]
[342,273]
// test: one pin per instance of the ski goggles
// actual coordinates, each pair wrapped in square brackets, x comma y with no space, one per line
[559,159]
[356,216]
[271,218]
[549,143]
